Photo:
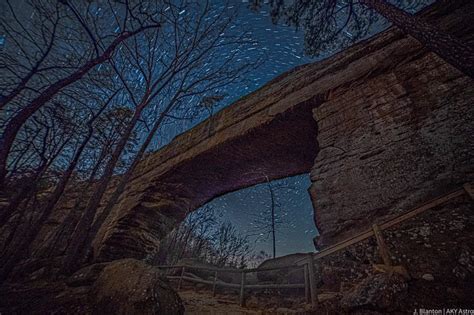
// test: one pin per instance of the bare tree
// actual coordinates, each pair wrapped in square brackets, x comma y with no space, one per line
[30,231]
[173,68]
[190,239]
[203,236]
[62,44]
[270,218]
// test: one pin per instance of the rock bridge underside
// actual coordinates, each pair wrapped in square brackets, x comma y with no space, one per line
[380,126]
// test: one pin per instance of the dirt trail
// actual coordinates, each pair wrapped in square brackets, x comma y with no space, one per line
[202,302]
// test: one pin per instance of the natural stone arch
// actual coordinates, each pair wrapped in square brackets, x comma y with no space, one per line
[154,203]
[272,132]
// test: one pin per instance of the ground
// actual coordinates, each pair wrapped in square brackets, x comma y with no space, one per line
[202,302]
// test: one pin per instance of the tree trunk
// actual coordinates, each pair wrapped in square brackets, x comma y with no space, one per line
[31,185]
[273,221]
[449,48]
[14,125]
[124,180]
[24,192]
[15,225]
[58,191]
[62,185]
[47,209]
[73,253]
[71,221]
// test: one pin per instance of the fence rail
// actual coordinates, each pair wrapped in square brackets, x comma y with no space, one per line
[394,221]
[307,263]
[231,270]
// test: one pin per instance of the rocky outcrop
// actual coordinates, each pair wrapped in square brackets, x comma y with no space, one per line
[376,105]
[157,200]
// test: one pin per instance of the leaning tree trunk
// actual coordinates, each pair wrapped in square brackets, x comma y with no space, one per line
[22,194]
[47,209]
[451,49]
[73,253]
[14,124]
[124,180]
[70,222]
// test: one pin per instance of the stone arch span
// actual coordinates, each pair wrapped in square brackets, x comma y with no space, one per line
[229,153]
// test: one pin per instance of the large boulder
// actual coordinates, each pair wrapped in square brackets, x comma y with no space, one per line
[283,275]
[130,286]
[86,276]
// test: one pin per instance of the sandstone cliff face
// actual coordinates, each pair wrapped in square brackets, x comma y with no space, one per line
[393,138]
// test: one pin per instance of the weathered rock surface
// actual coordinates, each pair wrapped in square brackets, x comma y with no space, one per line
[86,276]
[397,136]
[129,286]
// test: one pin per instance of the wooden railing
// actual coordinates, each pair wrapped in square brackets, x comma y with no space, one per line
[307,263]
[242,286]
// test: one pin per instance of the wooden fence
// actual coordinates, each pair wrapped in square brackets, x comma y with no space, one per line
[307,263]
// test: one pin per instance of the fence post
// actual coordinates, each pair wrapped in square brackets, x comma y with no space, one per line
[312,282]
[306,284]
[214,284]
[383,249]
[181,278]
[242,289]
